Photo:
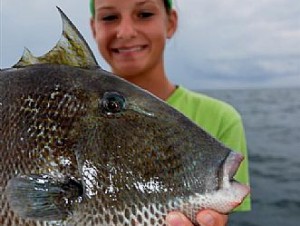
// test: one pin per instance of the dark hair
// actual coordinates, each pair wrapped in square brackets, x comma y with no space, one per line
[167,4]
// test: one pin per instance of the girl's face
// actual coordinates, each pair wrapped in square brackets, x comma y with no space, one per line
[131,34]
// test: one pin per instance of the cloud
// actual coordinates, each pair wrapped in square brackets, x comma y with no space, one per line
[241,43]
[36,24]
[219,43]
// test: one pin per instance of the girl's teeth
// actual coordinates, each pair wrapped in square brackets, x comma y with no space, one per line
[128,50]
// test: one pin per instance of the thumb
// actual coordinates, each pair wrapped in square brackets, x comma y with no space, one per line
[211,218]
[177,219]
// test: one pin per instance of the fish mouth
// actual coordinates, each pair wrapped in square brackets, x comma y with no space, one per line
[231,191]
[230,167]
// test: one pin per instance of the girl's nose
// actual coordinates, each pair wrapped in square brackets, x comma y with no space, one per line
[126,29]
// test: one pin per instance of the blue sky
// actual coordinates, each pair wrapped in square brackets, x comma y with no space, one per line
[219,43]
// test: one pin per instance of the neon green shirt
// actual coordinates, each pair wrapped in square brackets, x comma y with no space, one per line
[220,120]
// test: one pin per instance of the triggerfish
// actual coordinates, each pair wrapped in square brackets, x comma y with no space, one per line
[82,146]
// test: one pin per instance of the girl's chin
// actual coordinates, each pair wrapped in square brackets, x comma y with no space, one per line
[128,65]
[128,72]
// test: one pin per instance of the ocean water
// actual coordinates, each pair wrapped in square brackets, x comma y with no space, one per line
[272,124]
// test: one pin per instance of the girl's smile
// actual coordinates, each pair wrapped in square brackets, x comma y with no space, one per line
[129,49]
[131,35]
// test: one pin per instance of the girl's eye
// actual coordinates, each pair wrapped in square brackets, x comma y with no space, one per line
[109,18]
[144,15]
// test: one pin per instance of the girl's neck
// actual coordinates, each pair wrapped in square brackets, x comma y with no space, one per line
[161,88]
[156,82]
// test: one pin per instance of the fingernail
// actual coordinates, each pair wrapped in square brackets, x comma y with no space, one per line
[174,220]
[206,220]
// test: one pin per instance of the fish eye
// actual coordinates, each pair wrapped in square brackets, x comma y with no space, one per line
[112,102]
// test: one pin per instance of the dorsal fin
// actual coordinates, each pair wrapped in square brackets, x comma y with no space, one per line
[71,49]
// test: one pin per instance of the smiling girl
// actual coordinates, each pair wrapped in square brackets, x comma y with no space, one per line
[131,36]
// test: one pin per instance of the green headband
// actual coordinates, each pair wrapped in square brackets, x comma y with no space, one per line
[92,6]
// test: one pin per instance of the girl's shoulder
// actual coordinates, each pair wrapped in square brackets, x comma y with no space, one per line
[187,100]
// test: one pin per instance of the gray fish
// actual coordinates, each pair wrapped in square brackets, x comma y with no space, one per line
[81,146]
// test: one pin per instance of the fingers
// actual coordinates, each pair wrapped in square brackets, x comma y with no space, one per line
[211,218]
[204,218]
[177,219]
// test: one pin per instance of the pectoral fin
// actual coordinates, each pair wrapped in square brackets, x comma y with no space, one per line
[41,197]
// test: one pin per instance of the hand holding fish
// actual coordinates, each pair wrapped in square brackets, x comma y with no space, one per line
[204,218]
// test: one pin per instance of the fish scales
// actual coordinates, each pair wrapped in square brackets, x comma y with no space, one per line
[81,146]
[34,126]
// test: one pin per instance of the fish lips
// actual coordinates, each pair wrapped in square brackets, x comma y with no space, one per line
[230,167]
